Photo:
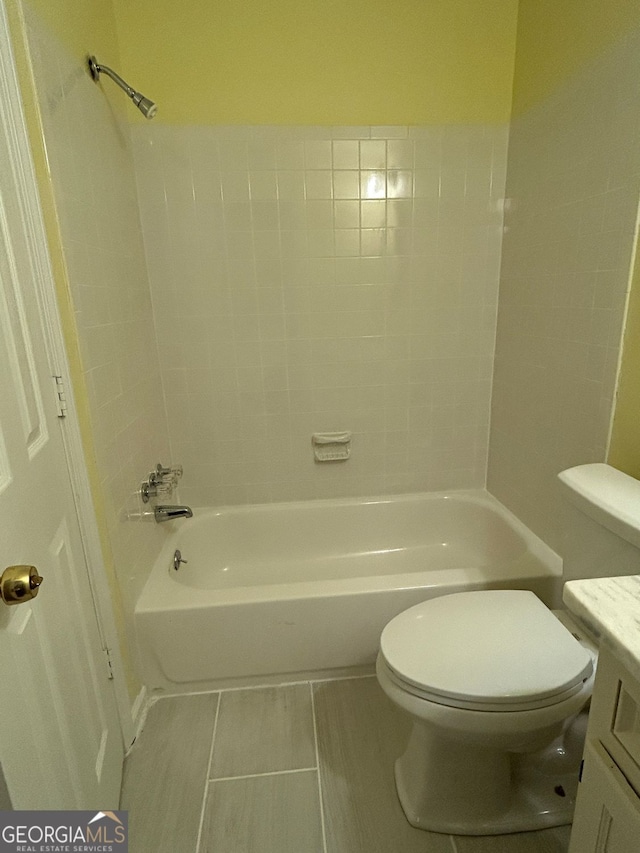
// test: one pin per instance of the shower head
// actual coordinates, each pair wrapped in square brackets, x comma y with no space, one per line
[146,107]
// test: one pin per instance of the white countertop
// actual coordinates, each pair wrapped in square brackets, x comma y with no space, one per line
[610,609]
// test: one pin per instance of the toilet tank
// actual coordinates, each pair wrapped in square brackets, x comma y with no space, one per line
[601,523]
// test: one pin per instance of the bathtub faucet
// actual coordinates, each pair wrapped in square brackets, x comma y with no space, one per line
[167,513]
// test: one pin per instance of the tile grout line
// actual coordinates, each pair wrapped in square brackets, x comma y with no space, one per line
[221,690]
[262,775]
[206,780]
[342,678]
[315,739]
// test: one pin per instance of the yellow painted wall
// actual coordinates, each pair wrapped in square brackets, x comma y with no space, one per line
[85,26]
[78,21]
[624,452]
[556,37]
[344,62]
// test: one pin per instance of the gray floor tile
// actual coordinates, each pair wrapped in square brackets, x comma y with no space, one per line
[165,774]
[264,814]
[264,731]
[554,840]
[360,734]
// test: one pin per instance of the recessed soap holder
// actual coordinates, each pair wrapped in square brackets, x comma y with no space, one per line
[331,446]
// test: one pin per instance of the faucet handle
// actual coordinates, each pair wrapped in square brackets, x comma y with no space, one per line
[165,488]
[173,471]
[148,490]
[160,482]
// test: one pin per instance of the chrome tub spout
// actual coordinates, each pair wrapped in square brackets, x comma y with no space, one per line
[167,513]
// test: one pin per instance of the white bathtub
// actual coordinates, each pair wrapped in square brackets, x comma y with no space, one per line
[273,592]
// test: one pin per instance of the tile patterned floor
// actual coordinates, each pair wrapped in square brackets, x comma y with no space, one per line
[303,768]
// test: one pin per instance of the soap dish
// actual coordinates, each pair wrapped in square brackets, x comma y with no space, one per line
[331,446]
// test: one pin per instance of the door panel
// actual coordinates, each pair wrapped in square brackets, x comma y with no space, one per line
[60,745]
[21,359]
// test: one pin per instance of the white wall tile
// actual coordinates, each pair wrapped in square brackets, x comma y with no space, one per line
[573,187]
[346,154]
[305,316]
[92,173]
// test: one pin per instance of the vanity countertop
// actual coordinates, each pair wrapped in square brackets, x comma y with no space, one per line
[610,609]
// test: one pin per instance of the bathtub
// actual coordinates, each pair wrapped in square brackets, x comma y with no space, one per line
[280,591]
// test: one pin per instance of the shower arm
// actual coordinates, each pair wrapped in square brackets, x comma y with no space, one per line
[146,106]
[104,69]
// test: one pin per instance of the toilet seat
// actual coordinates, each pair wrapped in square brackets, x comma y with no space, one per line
[492,650]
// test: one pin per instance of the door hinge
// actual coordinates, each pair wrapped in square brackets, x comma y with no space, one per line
[107,652]
[61,397]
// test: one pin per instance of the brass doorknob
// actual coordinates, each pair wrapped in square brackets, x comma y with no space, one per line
[19,583]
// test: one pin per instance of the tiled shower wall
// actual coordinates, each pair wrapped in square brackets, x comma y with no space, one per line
[323,279]
[91,167]
[573,186]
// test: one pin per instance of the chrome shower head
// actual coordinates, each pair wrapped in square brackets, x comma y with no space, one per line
[146,106]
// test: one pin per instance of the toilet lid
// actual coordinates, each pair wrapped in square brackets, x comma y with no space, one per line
[494,647]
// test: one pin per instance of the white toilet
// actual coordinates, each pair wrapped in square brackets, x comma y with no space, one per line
[491,679]
[495,682]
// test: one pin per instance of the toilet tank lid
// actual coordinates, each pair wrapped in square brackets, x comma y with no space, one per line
[607,495]
[489,646]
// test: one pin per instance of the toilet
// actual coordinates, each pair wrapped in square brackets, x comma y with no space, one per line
[493,681]
[497,685]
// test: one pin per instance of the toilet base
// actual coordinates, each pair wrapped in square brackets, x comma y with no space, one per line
[519,792]
[534,804]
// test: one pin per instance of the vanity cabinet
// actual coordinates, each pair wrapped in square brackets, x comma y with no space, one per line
[607,815]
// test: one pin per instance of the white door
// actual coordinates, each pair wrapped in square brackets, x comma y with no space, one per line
[60,738]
